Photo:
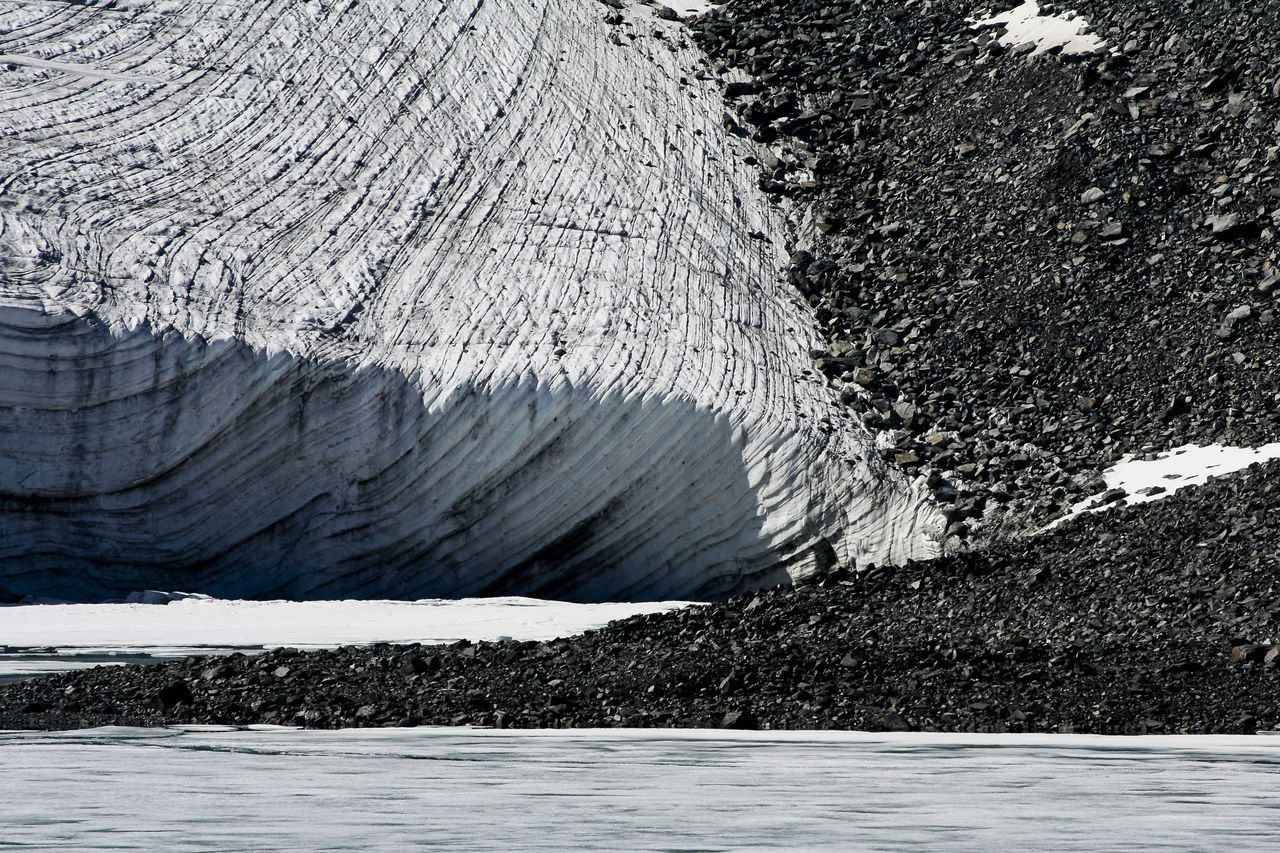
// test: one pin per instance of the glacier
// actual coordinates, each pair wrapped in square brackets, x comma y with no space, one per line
[315,300]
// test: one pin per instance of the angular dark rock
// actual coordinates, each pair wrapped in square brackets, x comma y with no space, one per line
[895,722]
[741,719]
[173,693]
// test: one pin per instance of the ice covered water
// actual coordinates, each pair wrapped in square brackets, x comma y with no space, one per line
[43,638]
[462,789]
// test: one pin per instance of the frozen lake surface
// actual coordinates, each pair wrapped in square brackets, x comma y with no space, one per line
[660,790]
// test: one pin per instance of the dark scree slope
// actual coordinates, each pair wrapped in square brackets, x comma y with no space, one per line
[1027,265]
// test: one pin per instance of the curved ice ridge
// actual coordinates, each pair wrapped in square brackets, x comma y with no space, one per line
[398,299]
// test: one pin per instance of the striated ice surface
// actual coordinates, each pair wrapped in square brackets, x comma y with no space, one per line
[401,299]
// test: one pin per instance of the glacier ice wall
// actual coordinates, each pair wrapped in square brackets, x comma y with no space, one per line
[322,299]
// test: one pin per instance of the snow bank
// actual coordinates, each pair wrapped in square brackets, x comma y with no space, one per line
[52,638]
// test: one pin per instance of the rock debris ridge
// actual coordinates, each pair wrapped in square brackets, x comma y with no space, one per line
[1140,621]
[402,299]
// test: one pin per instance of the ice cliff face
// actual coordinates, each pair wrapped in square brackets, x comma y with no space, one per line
[319,299]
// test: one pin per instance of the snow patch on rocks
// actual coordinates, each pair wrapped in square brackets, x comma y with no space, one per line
[1136,481]
[684,8]
[1026,25]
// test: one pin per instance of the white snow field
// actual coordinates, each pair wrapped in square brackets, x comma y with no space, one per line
[658,790]
[43,638]
[401,299]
